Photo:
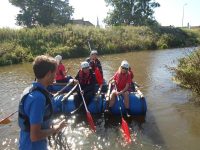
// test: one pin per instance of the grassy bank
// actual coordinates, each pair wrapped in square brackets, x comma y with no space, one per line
[188,71]
[23,45]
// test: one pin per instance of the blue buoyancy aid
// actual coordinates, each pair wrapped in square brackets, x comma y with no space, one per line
[23,119]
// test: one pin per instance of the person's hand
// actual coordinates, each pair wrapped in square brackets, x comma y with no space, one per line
[82,92]
[75,81]
[58,127]
[119,93]
[98,92]
[110,81]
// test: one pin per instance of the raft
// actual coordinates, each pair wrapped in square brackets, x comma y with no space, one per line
[98,104]
[55,87]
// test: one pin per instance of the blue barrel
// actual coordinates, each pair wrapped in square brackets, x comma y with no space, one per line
[57,104]
[97,105]
[136,103]
[66,106]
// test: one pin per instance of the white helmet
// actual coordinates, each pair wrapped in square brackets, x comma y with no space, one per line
[84,64]
[58,58]
[125,64]
[93,52]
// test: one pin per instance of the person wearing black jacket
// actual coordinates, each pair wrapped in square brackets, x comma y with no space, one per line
[94,61]
[87,81]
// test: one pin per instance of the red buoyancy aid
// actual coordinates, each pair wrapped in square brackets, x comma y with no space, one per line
[84,78]
[121,80]
[98,75]
[59,72]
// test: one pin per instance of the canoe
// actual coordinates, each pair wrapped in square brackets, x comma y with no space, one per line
[98,104]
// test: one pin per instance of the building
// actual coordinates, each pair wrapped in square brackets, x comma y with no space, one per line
[81,22]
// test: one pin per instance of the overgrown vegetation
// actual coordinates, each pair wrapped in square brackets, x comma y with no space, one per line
[188,71]
[23,45]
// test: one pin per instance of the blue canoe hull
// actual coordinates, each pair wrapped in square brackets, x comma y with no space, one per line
[98,104]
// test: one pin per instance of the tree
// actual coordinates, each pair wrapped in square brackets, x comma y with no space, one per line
[134,12]
[43,12]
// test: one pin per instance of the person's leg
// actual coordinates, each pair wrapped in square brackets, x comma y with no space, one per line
[126,103]
[112,98]
[110,102]
[126,99]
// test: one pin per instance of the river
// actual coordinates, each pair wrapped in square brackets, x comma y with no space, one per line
[171,123]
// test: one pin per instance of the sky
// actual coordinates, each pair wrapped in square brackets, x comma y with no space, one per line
[169,13]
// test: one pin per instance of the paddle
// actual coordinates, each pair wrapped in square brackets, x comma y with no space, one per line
[59,92]
[124,126]
[7,120]
[138,90]
[89,117]
[108,92]
[69,93]
[89,45]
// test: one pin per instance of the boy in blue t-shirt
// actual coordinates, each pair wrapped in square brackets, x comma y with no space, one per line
[35,108]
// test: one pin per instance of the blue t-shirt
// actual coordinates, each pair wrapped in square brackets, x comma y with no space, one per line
[34,108]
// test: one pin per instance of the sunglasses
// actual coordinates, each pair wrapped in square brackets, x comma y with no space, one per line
[124,68]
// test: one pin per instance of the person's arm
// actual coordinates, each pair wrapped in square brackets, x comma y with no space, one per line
[36,133]
[125,89]
[36,112]
[99,90]
[113,78]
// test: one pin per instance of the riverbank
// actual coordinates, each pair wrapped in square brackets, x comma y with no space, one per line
[187,73]
[17,46]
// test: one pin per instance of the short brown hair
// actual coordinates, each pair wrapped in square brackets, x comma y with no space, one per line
[42,65]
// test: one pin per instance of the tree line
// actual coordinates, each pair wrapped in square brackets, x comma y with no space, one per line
[59,12]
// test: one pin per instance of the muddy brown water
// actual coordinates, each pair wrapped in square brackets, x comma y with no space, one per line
[172,121]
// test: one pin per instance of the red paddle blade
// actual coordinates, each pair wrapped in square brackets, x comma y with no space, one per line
[90,121]
[126,131]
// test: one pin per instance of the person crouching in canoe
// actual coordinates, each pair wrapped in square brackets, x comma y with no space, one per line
[61,73]
[122,79]
[87,81]
[96,67]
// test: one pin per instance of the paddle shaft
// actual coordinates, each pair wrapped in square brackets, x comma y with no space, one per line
[63,89]
[124,123]
[9,116]
[69,93]
[83,98]
[108,93]
[89,46]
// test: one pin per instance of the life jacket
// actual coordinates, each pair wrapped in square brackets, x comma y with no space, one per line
[85,79]
[23,119]
[121,80]
[98,75]
[59,73]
